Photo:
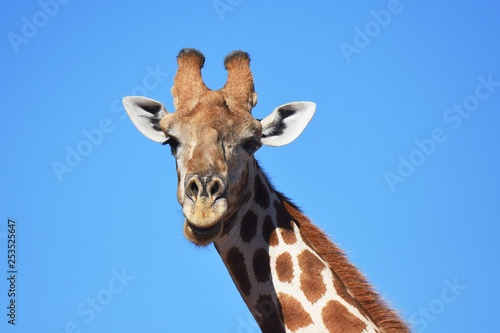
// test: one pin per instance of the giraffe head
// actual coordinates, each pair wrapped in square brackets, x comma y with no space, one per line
[213,136]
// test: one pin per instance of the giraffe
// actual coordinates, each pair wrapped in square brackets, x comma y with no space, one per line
[288,272]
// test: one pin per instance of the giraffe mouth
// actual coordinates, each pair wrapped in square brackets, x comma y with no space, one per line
[202,235]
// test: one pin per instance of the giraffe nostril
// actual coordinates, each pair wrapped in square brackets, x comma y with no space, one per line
[214,189]
[194,188]
[211,187]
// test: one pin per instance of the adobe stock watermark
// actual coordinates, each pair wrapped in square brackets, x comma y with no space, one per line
[92,138]
[223,6]
[32,25]
[247,326]
[425,315]
[266,310]
[380,19]
[453,118]
[88,309]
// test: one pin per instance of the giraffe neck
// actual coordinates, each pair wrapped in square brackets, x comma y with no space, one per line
[287,285]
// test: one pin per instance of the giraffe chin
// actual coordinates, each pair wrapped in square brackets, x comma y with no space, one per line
[203,219]
[202,236]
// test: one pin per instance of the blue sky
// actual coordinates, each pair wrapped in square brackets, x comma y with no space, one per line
[399,165]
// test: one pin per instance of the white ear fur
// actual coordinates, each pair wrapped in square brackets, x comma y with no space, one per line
[146,114]
[286,123]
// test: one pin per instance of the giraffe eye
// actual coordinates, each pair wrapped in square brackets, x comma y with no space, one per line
[251,145]
[173,143]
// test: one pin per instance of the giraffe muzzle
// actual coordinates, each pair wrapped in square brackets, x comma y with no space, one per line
[205,207]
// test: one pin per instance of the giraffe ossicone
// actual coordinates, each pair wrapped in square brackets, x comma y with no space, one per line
[290,275]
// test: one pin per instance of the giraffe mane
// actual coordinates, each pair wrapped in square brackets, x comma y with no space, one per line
[387,319]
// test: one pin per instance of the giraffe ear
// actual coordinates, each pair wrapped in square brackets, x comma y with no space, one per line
[286,123]
[146,114]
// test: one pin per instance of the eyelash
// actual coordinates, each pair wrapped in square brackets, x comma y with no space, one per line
[251,145]
[173,143]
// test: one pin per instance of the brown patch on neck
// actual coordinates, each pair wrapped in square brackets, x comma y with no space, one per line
[269,315]
[384,317]
[236,264]
[338,319]
[311,280]
[284,267]
[294,314]
[248,228]
[261,265]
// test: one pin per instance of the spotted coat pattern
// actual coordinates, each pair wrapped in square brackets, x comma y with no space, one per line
[287,286]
